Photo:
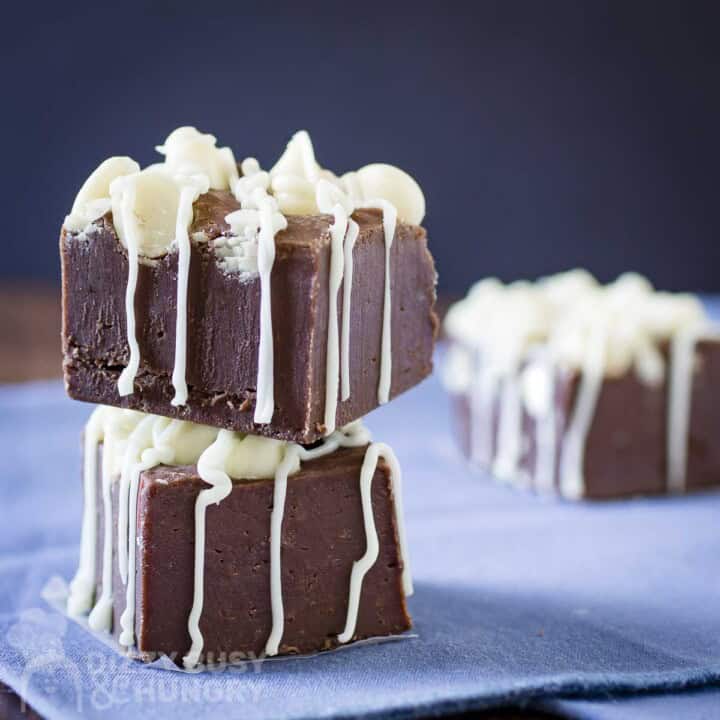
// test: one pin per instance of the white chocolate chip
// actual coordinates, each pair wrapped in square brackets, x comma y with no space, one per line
[93,199]
[394,185]
[190,152]
[157,194]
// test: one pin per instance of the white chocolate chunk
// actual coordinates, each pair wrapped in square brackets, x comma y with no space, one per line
[157,196]
[294,177]
[190,152]
[298,160]
[391,184]
[93,198]
[253,456]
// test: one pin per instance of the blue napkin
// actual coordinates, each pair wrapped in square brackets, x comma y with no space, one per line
[517,598]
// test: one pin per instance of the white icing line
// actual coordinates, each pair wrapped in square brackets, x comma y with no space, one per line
[361,566]
[572,481]
[546,441]
[82,587]
[184,218]
[332,360]
[136,443]
[289,461]
[682,355]
[389,225]
[100,617]
[210,468]
[265,398]
[153,430]
[127,376]
[352,234]
[150,458]
[505,465]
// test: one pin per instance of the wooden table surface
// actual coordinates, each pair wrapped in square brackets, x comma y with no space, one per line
[29,333]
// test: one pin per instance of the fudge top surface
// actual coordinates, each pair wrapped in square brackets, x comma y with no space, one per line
[302,231]
[199,188]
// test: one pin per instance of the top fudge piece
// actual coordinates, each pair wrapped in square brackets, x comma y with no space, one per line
[281,303]
[594,391]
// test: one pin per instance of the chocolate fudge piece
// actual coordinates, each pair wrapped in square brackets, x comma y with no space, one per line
[223,319]
[626,447]
[322,536]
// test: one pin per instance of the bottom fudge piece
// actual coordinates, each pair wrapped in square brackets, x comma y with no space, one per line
[332,586]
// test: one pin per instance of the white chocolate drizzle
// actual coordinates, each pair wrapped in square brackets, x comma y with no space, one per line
[389,224]
[360,567]
[112,427]
[210,468]
[682,354]
[505,465]
[82,587]
[350,238]
[100,617]
[596,331]
[538,392]
[188,194]
[127,376]
[260,217]
[572,457]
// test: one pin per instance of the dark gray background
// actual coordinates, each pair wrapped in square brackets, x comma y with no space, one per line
[545,134]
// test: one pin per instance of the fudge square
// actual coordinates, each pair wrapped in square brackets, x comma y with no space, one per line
[322,536]
[191,321]
[590,391]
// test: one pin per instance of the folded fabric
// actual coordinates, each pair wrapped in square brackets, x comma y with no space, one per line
[517,598]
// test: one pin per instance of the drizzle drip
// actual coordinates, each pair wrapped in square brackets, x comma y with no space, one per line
[389,224]
[682,355]
[188,195]
[260,217]
[505,465]
[266,257]
[352,234]
[360,567]
[82,587]
[546,441]
[332,362]
[572,479]
[159,453]
[210,469]
[100,617]
[126,380]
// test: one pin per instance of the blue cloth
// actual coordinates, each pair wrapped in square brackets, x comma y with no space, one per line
[517,598]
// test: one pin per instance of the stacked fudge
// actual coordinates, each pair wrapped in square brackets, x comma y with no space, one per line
[591,391]
[234,325]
